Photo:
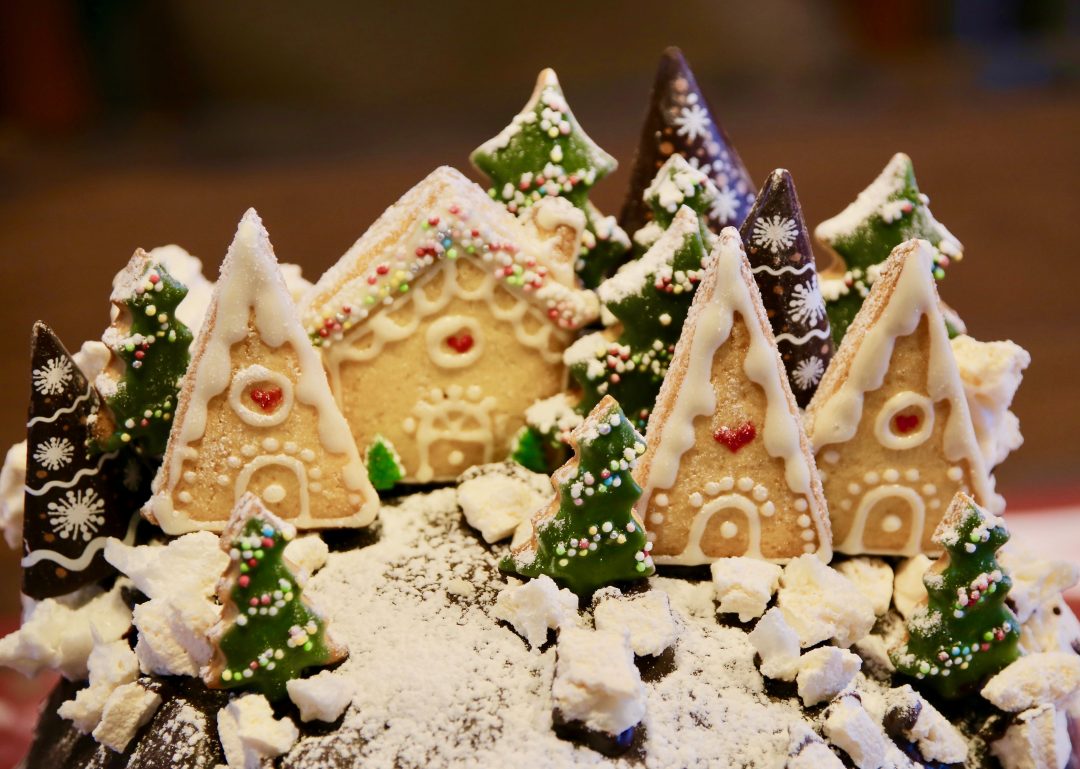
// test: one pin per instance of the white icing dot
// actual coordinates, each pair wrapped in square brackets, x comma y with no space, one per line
[800,504]
[768,509]
[712,488]
[832,456]
[728,529]
[275,492]
[934,504]
[870,478]
[185,497]
[954,473]
[854,488]
[662,500]
[845,504]
[695,500]
[189,476]
[307,455]
[474,392]
[727,483]
[891,475]
[761,493]
[808,534]
[290,447]
[912,474]
[234,462]
[315,486]
[354,500]
[409,425]
[271,444]
[455,391]
[656,518]
[746,483]
[248,450]
[891,523]
[223,480]
[455,457]
[803,520]
[929,490]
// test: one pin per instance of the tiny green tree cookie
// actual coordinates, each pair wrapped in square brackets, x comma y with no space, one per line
[965,633]
[268,632]
[884,215]
[651,297]
[589,535]
[383,464]
[149,347]
[676,184]
[544,152]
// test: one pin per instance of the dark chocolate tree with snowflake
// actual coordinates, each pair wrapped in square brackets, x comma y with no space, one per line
[778,248]
[544,152]
[884,215]
[679,122]
[590,536]
[269,632]
[76,498]
[149,346]
[965,633]
[651,297]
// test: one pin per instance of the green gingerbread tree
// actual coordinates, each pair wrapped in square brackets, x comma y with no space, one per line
[650,297]
[269,632]
[675,185]
[383,464]
[887,213]
[544,152]
[965,633]
[149,347]
[589,536]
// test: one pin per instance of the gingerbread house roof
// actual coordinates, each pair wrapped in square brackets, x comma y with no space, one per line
[448,217]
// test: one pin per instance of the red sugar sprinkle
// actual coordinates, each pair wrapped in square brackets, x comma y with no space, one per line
[244,580]
[154,277]
[382,269]
[254,602]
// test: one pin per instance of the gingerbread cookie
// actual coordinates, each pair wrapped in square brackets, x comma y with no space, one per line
[450,298]
[76,497]
[729,470]
[256,413]
[890,423]
[679,121]
[778,247]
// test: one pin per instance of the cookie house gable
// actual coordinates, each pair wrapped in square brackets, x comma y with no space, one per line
[447,319]
[255,412]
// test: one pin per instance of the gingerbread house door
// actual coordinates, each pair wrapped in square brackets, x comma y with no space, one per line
[454,429]
[726,526]
[279,481]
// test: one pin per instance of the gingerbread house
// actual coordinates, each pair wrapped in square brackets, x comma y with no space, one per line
[890,423]
[447,319]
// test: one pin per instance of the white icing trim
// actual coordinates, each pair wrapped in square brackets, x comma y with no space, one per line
[80,563]
[693,552]
[814,333]
[787,269]
[443,417]
[74,479]
[442,328]
[59,412]
[244,478]
[853,542]
[251,375]
[883,424]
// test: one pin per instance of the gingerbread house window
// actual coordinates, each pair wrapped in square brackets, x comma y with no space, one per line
[905,421]
[454,341]
[261,397]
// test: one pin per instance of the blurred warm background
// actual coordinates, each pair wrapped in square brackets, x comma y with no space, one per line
[126,124]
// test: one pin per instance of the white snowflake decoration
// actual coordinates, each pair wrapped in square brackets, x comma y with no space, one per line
[52,378]
[54,453]
[806,304]
[725,206]
[774,233]
[78,515]
[808,373]
[693,122]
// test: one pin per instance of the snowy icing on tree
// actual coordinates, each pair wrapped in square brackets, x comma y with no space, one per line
[677,184]
[544,152]
[778,248]
[884,215]
[269,633]
[149,345]
[965,633]
[589,536]
[651,297]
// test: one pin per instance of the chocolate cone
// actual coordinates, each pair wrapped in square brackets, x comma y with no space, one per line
[679,120]
[778,247]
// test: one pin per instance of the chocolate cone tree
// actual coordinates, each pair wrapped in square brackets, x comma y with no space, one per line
[544,152]
[149,346]
[269,632]
[589,536]
[965,633]
[778,248]
[884,215]
[76,498]
[679,122]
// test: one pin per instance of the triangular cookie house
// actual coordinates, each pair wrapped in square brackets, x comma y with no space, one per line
[255,412]
[728,470]
[76,498]
[447,320]
[890,423]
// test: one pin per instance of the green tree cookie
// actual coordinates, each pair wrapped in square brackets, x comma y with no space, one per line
[383,464]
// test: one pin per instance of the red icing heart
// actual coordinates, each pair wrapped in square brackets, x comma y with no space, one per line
[737,438]
[905,423]
[460,343]
[267,399]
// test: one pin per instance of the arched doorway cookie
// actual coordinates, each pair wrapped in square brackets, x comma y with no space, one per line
[280,482]
[891,521]
[728,529]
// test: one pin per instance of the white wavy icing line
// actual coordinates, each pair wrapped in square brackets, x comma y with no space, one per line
[785,270]
[59,412]
[74,479]
[80,563]
[815,333]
